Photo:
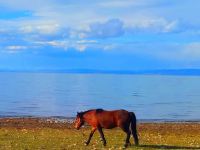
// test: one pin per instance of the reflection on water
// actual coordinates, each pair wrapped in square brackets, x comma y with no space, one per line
[59,94]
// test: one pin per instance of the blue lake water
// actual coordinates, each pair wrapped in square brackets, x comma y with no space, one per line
[60,94]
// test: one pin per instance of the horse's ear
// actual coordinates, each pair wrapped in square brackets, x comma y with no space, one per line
[79,114]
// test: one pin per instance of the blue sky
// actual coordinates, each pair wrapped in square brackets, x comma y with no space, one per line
[104,35]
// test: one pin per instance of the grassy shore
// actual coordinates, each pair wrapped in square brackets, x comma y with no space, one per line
[33,134]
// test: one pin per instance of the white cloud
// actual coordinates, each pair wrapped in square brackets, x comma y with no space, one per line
[130,3]
[109,46]
[15,48]
[49,15]
[26,5]
[150,23]
[61,44]
[120,4]
[187,52]
[110,28]
[88,23]
[86,41]
[191,51]
[80,45]
[170,26]
[51,28]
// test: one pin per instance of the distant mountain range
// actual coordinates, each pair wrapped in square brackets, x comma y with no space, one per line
[192,72]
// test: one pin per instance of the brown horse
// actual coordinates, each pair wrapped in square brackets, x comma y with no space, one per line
[99,118]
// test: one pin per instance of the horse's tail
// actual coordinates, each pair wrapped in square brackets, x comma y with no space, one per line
[134,128]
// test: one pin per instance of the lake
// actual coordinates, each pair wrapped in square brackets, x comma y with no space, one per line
[156,97]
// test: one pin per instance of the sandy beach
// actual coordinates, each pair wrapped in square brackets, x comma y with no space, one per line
[47,133]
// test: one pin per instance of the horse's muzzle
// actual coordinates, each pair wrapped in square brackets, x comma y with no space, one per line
[77,128]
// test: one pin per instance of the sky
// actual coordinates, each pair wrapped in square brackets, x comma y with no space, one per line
[100,35]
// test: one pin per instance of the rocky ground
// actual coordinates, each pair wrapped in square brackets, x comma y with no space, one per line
[56,134]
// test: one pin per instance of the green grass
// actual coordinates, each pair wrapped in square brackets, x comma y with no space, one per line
[60,139]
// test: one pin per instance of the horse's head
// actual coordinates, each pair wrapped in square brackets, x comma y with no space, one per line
[78,121]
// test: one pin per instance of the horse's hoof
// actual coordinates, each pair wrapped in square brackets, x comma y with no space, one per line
[86,143]
[104,144]
[127,144]
[124,147]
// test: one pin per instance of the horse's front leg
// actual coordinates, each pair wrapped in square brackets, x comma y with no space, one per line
[102,136]
[90,136]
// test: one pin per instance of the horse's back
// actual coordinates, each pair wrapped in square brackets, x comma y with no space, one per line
[111,119]
[117,113]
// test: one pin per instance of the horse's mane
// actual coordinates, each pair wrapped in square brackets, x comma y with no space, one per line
[99,110]
[84,112]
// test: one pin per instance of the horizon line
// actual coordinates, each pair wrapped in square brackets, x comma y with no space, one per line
[186,71]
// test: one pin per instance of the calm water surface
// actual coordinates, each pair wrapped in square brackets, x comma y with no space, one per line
[60,94]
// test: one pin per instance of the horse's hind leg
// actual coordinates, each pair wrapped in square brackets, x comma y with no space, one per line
[102,136]
[90,136]
[127,141]
[128,134]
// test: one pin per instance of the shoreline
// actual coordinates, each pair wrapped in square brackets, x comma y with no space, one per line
[62,123]
[70,119]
